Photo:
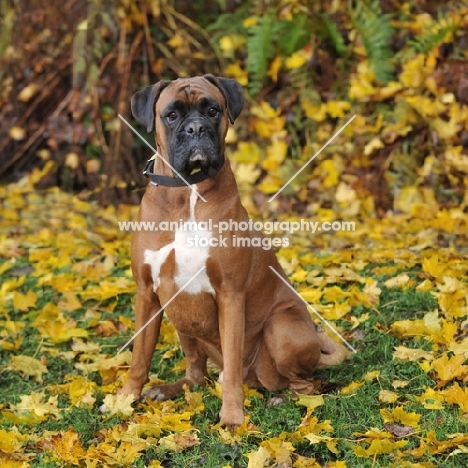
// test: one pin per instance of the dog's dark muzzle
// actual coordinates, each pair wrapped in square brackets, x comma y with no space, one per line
[196,147]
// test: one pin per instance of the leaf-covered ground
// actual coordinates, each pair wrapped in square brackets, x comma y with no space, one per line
[395,288]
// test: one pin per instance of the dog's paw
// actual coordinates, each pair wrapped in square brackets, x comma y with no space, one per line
[155,394]
[129,389]
[231,417]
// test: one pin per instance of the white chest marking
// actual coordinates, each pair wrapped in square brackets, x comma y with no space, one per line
[191,253]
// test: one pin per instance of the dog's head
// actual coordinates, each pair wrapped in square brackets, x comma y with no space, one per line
[191,118]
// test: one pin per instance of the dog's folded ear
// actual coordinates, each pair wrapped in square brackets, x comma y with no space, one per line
[233,94]
[143,104]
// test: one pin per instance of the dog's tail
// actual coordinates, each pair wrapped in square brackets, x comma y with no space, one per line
[332,353]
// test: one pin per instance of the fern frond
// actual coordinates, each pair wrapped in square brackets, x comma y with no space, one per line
[330,31]
[260,49]
[376,31]
[292,35]
[435,35]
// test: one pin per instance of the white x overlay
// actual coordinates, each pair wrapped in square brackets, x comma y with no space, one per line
[161,309]
[312,158]
[156,153]
[313,310]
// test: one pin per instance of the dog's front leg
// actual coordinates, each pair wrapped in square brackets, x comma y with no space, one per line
[146,305]
[231,310]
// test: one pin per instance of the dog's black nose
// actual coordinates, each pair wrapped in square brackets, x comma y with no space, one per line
[194,128]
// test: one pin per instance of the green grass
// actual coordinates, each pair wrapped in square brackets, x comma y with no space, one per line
[348,414]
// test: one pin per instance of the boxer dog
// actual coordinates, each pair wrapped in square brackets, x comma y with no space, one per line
[224,299]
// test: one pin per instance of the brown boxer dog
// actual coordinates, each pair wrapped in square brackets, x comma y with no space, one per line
[229,305]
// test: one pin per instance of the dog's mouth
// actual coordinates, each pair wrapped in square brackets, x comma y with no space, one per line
[199,161]
[195,170]
[196,162]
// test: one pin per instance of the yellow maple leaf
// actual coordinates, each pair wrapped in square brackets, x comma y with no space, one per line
[66,446]
[299,276]
[118,404]
[446,130]
[450,368]
[279,449]
[258,458]
[311,295]
[427,326]
[373,145]
[310,401]
[337,109]
[413,74]
[431,399]
[60,332]
[455,395]
[275,154]
[275,67]
[336,311]
[373,433]
[317,112]
[236,71]
[246,174]
[433,267]
[410,354]
[330,442]
[179,442]
[128,452]
[24,301]
[228,44]
[397,281]
[361,82]
[386,396]
[454,303]
[11,441]
[297,60]
[331,171]
[35,403]
[179,422]
[379,446]
[28,366]
[247,152]
[400,383]
[356,321]
[351,388]
[400,415]
[70,301]
[80,392]
[155,464]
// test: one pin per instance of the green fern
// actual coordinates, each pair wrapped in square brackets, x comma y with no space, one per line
[228,23]
[376,31]
[435,35]
[292,35]
[328,30]
[260,49]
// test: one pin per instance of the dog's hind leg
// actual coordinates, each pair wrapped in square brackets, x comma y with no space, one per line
[297,349]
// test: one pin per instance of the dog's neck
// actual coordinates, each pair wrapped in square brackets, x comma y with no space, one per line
[160,172]
[218,186]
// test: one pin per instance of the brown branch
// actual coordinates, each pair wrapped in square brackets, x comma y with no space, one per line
[38,133]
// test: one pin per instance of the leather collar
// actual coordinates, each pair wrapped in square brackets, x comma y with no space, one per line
[157,179]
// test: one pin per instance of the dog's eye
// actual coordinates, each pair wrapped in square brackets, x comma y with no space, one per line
[212,112]
[171,116]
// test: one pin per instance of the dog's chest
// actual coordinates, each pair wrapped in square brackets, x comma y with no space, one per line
[191,251]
